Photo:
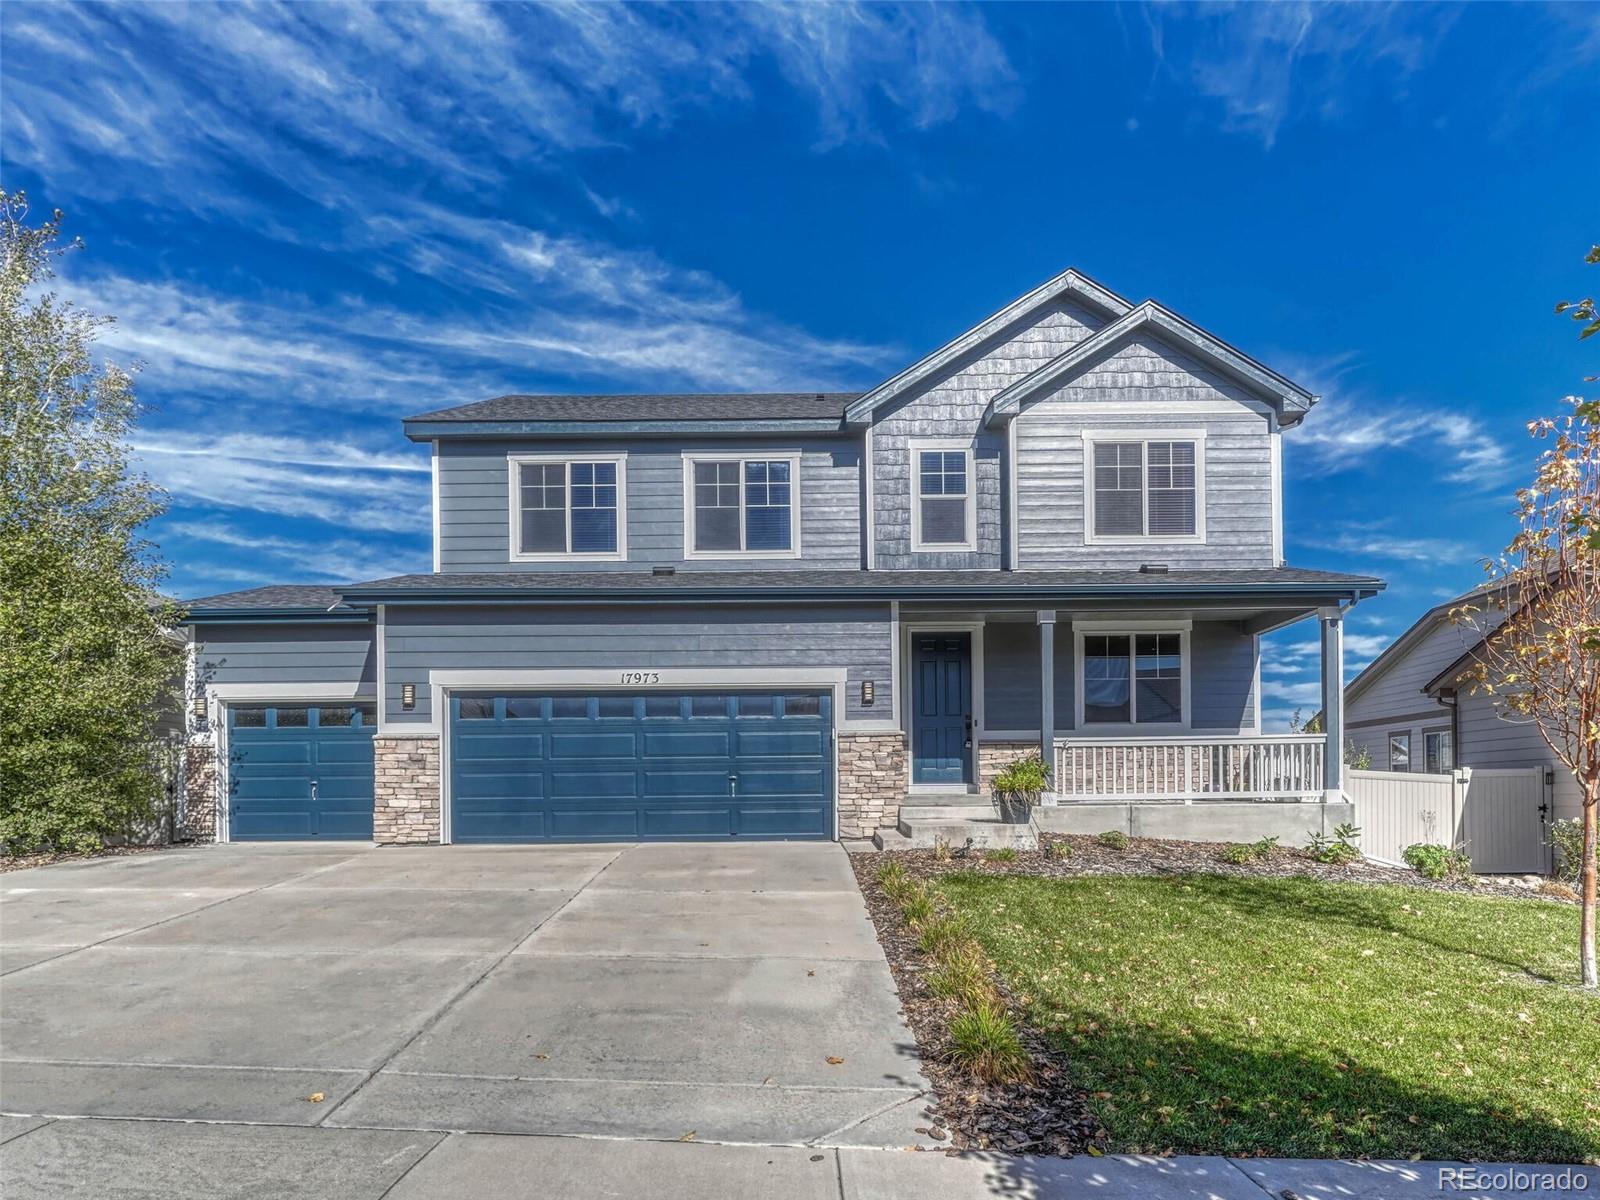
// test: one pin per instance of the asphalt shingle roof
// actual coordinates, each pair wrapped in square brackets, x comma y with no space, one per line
[666,406]
[317,597]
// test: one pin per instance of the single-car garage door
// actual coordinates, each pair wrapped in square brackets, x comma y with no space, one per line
[629,767]
[300,772]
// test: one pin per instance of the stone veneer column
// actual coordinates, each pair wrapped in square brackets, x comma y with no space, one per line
[199,792]
[405,802]
[872,781]
[994,757]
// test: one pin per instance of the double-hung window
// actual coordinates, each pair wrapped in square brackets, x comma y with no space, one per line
[1145,489]
[568,508]
[944,516]
[741,506]
[1133,678]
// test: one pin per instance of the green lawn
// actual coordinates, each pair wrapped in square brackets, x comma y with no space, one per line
[1210,1014]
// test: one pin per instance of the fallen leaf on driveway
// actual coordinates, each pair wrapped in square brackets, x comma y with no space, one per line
[834,1062]
[316,1097]
[688,1137]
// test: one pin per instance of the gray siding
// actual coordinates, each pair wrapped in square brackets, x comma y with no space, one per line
[952,407]
[1156,387]
[1221,692]
[1396,703]
[334,653]
[475,509]
[1489,741]
[856,637]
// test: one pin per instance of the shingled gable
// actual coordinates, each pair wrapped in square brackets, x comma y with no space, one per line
[1289,400]
[1070,284]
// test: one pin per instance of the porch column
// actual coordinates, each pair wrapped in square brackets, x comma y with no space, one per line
[1333,703]
[1047,686]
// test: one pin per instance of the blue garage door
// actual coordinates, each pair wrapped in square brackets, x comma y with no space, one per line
[619,767]
[298,772]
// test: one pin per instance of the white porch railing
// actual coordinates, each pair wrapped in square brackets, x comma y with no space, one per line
[1186,769]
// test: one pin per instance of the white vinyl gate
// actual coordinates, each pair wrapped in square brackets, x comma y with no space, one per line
[1496,816]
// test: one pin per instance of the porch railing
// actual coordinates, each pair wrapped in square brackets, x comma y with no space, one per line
[1186,769]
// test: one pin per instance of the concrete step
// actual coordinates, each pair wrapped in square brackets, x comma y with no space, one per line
[891,839]
[982,829]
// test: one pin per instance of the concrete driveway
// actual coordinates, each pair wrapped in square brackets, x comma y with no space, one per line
[711,993]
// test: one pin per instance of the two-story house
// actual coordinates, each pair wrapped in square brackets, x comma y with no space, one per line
[792,615]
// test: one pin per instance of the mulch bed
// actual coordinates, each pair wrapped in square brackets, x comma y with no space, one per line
[21,862]
[1148,856]
[1047,1115]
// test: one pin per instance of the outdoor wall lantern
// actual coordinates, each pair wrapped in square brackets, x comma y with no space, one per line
[408,696]
[198,708]
[866,691]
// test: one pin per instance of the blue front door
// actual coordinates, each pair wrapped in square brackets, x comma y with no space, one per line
[941,721]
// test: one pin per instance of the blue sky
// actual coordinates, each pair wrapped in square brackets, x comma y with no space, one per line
[311,220]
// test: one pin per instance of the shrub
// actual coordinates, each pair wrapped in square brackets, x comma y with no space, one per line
[1024,777]
[1567,838]
[942,936]
[984,1043]
[1060,850]
[1236,852]
[1263,847]
[1337,850]
[1437,862]
[941,850]
[916,906]
[1001,854]
[1112,839]
[891,875]
[963,975]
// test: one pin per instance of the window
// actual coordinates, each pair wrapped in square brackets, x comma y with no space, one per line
[294,718]
[944,516]
[1145,489]
[1399,752]
[567,508]
[1439,750]
[331,718]
[741,506]
[476,708]
[1132,678]
[249,718]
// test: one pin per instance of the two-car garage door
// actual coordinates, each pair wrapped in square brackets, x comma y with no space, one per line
[620,766]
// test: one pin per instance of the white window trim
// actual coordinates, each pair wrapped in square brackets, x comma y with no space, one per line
[1131,629]
[915,447]
[514,464]
[1144,437]
[1410,757]
[690,457]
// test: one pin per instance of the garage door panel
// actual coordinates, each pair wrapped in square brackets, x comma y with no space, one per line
[265,749]
[631,766]
[299,781]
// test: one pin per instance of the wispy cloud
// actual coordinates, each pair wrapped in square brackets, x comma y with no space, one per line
[340,560]
[1266,65]
[1379,541]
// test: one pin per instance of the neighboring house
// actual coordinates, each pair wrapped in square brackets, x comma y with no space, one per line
[1413,709]
[789,615]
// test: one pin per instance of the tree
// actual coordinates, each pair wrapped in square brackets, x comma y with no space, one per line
[84,665]
[1542,662]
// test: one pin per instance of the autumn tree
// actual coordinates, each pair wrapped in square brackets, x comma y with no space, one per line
[84,665]
[1542,660]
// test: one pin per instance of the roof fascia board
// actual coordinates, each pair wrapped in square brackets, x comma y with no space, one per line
[424,431]
[258,616]
[1289,399]
[1069,281]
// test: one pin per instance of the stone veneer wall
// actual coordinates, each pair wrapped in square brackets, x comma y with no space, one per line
[199,792]
[994,757]
[872,781]
[405,805]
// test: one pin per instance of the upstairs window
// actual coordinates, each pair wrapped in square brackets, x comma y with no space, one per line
[945,491]
[1145,489]
[741,506]
[567,508]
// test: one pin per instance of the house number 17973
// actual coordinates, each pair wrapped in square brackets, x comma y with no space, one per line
[641,677]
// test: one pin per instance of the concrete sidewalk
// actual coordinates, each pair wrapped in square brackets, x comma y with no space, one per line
[49,1160]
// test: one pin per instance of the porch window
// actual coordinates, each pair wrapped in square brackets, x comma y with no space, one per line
[1399,752]
[1133,679]
[567,508]
[1145,489]
[742,506]
[945,493]
[1439,751]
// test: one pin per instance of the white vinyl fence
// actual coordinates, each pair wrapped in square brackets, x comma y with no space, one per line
[1494,815]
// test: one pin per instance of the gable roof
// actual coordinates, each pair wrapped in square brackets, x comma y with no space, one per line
[1069,283]
[1290,399]
[1396,650]
[655,412]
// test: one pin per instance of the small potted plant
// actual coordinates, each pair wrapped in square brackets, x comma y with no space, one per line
[1018,788]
